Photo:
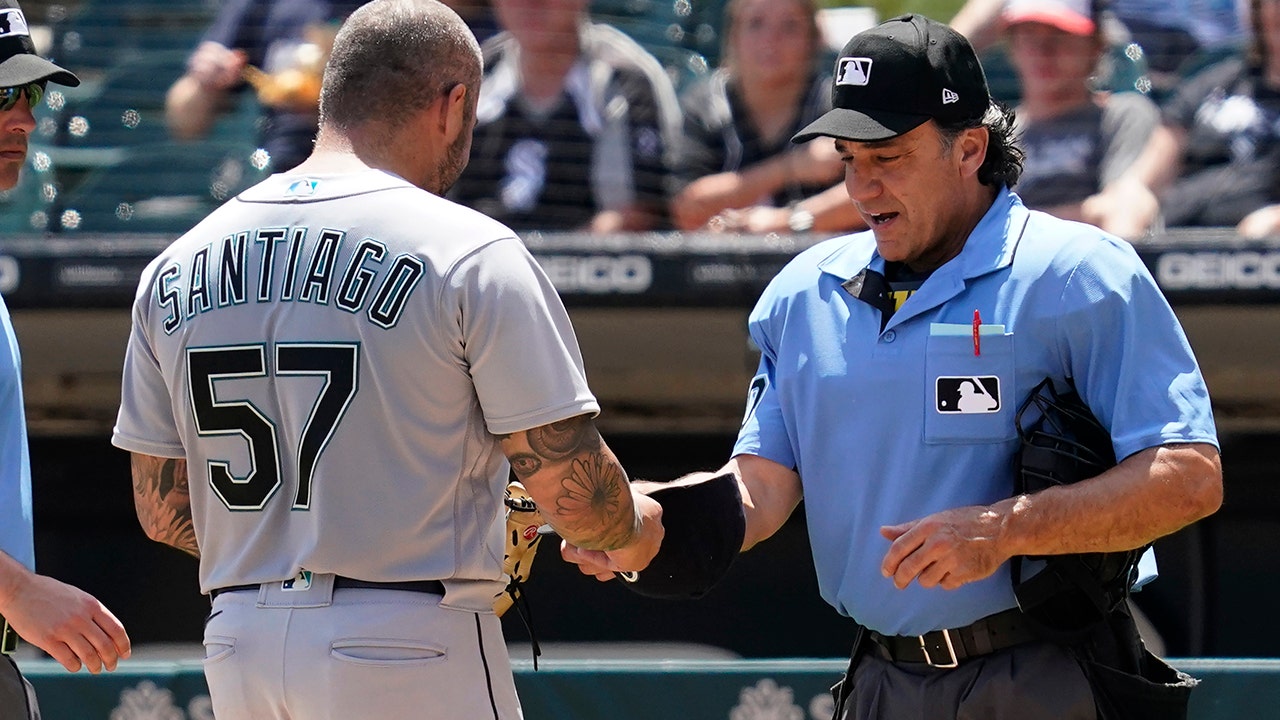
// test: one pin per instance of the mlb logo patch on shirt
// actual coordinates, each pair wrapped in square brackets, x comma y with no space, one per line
[297,583]
[968,394]
[302,187]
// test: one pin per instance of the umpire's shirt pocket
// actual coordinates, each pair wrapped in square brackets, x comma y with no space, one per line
[968,394]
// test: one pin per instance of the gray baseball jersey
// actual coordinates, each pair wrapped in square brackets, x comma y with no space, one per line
[333,355]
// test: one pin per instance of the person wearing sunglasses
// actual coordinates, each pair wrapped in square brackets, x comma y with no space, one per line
[64,621]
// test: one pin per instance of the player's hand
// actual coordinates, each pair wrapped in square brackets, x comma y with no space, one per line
[1263,222]
[703,198]
[215,66]
[68,623]
[635,556]
[946,549]
[1127,208]
[757,220]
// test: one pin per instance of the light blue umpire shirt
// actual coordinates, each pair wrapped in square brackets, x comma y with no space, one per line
[15,464]
[890,425]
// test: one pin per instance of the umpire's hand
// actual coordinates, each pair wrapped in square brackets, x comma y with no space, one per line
[64,621]
[946,549]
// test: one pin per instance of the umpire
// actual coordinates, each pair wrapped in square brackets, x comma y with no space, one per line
[893,365]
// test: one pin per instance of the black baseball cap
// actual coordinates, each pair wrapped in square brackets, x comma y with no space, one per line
[19,63]
[894,77]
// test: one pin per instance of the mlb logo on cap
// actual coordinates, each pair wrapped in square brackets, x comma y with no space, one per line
[19,63]
[13,23]
[853,71]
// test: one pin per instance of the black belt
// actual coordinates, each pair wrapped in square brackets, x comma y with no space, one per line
[948,648]
[431,587]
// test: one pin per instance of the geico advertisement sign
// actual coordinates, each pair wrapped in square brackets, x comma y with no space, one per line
[598,273]
[1219,270]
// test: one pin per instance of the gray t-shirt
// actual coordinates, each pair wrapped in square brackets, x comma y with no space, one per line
[334,356]
[1075,155]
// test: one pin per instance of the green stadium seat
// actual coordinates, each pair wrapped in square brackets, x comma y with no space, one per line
[164,188]
[103,32]
[27,207]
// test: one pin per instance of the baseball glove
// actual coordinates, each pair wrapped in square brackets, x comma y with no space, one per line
[523,521]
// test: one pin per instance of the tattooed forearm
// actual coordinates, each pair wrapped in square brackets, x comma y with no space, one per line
[582,490]
[591,501]
[163,501]
[563,439]
[525,464]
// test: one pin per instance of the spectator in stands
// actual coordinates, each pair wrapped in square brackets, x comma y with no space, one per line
[478,15]
[574,124]
[1215,159]
[737,168]
[279,45]
[64,621]
[1169,31]
[1077,140]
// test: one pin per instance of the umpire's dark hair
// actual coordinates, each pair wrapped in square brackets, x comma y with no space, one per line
[1003,164]
[391,58]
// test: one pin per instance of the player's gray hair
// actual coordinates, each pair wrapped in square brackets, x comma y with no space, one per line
[392,58]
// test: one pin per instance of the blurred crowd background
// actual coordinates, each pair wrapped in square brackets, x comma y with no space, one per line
[627,115]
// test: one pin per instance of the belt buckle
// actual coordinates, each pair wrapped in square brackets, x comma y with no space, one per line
[951,651]
[8,638]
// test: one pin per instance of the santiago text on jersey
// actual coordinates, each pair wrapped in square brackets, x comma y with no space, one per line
[224,281]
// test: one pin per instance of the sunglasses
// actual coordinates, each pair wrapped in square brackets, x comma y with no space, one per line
[9,96]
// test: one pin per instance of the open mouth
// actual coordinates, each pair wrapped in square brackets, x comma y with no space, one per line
[881,218]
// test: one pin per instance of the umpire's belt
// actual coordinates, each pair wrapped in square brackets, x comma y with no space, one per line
[431,587]
[948,648]
[8,638]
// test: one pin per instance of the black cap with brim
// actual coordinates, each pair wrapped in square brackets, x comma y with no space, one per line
[846,124]
[25,68]
[892,78]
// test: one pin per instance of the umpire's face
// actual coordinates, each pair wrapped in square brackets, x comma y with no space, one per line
[916,191]
[16,126]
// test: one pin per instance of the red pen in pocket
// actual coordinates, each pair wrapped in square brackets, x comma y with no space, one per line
[977,342]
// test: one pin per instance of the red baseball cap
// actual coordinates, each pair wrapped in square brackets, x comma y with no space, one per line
[1072,16]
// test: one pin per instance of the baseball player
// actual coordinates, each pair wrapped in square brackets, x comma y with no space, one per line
[327,383]
[909,490]
[64,621]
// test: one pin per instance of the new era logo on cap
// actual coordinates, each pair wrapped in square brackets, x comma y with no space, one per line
[853,71]
[949,96]
[12,22]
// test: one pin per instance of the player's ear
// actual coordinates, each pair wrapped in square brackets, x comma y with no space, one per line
[454,113]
